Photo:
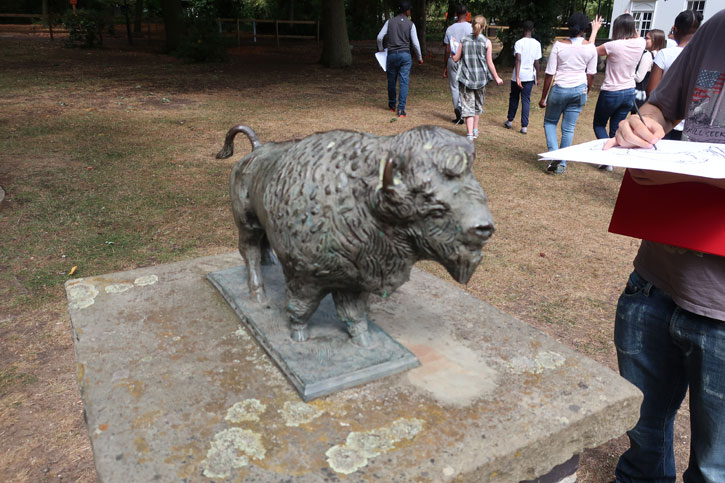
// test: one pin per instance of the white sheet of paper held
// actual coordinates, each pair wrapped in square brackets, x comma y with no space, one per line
[696,159]
[382,58]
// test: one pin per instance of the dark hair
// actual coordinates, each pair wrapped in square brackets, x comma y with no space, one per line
[460,9]
[659,41]
[577,23]
[686,23]
[403,6]
[623,27]
[528,26]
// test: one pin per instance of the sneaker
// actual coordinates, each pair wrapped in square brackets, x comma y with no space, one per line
[401,113]
[507,124]
[475,134]
[391,107]
[605,167]
[556,167]
[523,130]
[470,137]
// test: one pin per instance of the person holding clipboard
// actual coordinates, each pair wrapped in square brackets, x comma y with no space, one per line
[670,323]
[401,35]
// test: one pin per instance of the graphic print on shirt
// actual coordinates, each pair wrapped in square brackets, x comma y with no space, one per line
[706,117]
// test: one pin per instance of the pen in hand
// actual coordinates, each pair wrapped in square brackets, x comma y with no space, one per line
[636,108]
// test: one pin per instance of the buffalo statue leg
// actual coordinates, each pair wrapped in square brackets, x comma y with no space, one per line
[352,308]
[251,251]
[301,304]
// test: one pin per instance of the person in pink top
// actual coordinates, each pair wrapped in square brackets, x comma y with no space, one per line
[574,64]
[616,97]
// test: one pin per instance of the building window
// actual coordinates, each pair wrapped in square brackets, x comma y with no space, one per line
[696,6]
[643,21]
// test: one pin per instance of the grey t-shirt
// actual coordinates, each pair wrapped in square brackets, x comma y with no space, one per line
[692,90]
[458,30]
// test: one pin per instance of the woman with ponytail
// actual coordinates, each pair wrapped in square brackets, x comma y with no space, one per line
[475,70]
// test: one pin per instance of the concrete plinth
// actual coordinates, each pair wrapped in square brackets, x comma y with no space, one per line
[176,390]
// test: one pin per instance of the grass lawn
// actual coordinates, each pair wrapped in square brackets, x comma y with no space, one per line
[107,161]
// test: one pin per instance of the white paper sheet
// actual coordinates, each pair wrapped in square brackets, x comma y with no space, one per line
[382,58]
[696,159]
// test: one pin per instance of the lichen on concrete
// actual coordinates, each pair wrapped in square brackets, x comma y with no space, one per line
[295,413]
[230,450]
[359,447]
[81,294]
[146,280]
[345,460]
[247,410]
[118,287]
[543,360]
[550,360]
[242,334]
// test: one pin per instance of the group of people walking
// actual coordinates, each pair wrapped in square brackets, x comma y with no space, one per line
[634,67]
[468,63]
[669,327]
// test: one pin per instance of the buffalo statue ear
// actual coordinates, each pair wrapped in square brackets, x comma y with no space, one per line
[455,163]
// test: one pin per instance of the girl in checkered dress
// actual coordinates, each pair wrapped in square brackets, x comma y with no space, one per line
[475,70]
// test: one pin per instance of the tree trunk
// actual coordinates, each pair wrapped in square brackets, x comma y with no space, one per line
[138,17]
[450,14]
[127,13]
[418,14]
[173,23]
[335,41]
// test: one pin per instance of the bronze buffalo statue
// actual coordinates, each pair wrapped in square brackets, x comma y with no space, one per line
[349,213]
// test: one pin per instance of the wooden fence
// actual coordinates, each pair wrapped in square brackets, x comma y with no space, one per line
[155,27]
[47,21]
[238,22]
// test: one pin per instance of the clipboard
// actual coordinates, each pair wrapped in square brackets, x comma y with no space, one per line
[686,215]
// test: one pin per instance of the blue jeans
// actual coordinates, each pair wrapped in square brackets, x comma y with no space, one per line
[612,107]
[565,103]
[664,349]
[525,93]
[398,66]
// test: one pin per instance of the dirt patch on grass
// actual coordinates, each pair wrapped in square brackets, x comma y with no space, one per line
[102,174]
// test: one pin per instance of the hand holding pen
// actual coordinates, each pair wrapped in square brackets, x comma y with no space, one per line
[638,132]
[636,108]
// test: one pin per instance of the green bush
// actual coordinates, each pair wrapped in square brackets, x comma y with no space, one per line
[84,28]
[202,41]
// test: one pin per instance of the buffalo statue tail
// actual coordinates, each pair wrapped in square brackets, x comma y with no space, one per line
[228,148]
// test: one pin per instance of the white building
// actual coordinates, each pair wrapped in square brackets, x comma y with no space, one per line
[660,14]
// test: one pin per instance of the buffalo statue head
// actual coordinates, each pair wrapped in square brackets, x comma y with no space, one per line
[428,192]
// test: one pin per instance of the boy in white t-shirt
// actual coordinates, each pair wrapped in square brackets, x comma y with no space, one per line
[527,51]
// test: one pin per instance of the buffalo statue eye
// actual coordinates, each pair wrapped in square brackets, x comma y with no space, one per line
[437,210]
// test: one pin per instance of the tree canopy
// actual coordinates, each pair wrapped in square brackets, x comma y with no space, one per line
[340,20]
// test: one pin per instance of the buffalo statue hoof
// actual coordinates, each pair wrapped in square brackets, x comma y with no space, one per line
[363,339]
[300,334]
[259,296]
